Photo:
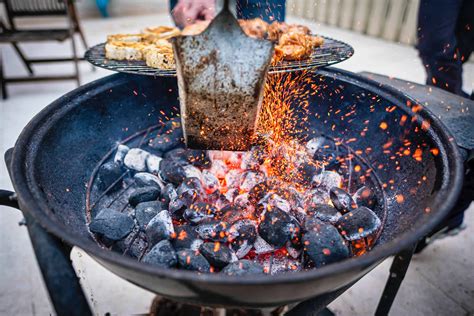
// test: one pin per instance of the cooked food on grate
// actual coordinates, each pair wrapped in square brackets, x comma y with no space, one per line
[157,53]
[293,42]
[160,55]
[254,28]
[119,50]
[133,38]
[161,32]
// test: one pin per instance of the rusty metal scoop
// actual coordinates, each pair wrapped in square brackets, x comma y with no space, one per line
[221,78]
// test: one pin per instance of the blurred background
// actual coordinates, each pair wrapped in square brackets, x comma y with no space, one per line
[383,34]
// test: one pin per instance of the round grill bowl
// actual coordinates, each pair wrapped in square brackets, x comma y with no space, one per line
[55,154]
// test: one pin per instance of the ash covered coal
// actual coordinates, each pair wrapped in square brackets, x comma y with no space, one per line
[275,209]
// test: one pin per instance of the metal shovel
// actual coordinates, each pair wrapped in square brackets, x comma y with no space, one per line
[221,78]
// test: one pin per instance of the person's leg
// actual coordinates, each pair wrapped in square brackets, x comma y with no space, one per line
[465,30]
[269,11]
[437,44]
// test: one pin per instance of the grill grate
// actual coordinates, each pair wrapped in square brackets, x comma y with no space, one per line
[330,53]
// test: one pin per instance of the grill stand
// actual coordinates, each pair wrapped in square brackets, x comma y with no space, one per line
[68,298]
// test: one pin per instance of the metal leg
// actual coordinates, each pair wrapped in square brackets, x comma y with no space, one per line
[25,60]
[54,261]
[59,276]
[317,306]
[3,83]
[398,271]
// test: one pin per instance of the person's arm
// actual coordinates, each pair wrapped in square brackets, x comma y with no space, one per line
[187,12]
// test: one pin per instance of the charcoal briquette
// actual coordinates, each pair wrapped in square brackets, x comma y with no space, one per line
[172,137]
[359,223]
[145,179]
[327,180]
[365,197]
[243,230]
[162,255]
[258,192]
[135,159]
[153,163]
[108,174]
[324,212]
[342,200]
[159,228]
[177,154]
[317,196]
[146,194]
[172,171]
[262,247]
[112,224]
[186,237]
[275,227]
[250,179]
[192,172]
[145,211]
[192,260]
[216,253]
[324,245]
[210,182]
[199,158]
[213,230]
[168,194]
[120,154]
[243,267]
[199,212]
[306,172]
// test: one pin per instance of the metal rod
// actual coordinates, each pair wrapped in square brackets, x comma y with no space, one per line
[398,271]
[59,276]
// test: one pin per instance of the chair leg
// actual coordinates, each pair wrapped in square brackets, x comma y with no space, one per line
[25,60]
[3,83]
[77,26]
[76,60]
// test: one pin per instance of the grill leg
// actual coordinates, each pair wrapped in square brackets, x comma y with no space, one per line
[398,271]
[53,258]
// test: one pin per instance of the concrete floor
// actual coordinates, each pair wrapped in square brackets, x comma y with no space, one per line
[440,281]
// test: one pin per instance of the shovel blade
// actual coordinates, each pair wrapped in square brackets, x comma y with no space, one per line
[221,78]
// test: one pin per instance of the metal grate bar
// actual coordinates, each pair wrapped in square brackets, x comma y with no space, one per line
[330,53]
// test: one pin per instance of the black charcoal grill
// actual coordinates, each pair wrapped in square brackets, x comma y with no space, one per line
[54,157]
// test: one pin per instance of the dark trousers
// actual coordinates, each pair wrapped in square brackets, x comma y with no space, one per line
[445,41]
[269,11]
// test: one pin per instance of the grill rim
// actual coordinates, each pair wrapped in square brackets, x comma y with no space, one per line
[31,198]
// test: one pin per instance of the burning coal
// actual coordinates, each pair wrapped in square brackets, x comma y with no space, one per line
[286,205]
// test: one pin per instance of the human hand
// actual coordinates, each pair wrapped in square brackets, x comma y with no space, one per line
[187,12]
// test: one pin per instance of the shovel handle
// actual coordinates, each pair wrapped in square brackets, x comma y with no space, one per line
[226,5]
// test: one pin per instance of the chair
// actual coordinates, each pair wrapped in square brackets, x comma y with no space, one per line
[39,8]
